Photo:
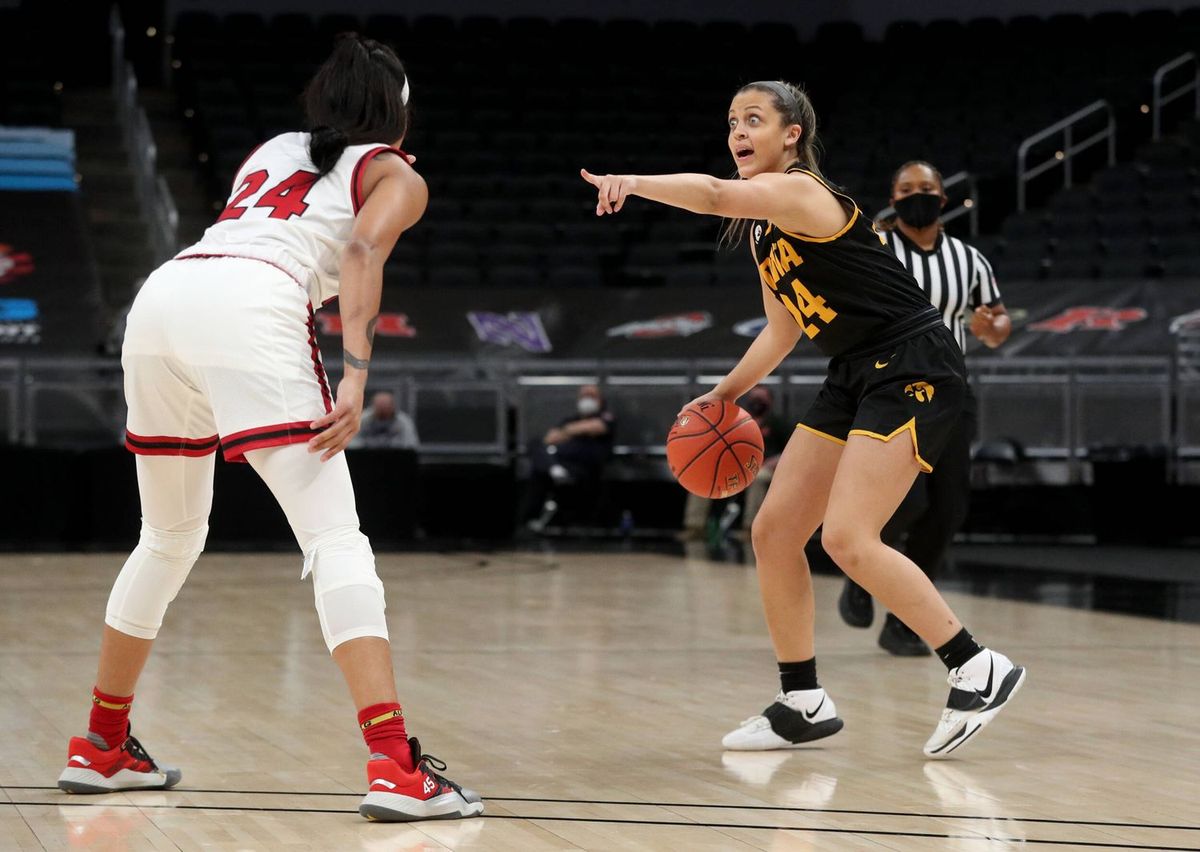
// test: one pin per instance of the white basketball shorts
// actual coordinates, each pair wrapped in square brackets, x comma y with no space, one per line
[221,351]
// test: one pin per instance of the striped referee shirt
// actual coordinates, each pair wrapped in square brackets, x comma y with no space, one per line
[955,276]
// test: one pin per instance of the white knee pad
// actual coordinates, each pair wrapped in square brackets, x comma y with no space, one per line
[348,592]
[151,578]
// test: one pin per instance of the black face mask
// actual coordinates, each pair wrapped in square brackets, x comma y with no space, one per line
[919,210]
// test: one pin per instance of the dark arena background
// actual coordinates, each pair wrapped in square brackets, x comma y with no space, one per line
[577,652]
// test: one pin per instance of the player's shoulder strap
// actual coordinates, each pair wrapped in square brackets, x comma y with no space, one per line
[360,169]
[853,213]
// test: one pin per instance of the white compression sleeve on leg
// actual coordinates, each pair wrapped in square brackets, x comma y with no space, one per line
[318,500]
[151,578]
[348,592]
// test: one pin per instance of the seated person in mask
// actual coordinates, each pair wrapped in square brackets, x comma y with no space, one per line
[759,404]
[384,425]
[573,452]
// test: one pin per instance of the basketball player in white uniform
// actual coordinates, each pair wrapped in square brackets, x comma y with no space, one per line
[220,354]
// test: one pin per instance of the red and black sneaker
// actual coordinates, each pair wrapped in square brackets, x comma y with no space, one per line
[92,767]
[398,796]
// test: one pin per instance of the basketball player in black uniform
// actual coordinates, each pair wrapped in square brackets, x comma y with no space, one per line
[895,388]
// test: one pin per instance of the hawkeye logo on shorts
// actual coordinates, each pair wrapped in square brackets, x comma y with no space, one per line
[921,391]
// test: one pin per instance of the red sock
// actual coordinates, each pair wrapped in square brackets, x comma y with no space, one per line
[383,728]
[110,717]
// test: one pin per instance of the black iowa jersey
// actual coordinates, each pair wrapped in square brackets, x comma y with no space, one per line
[846,291]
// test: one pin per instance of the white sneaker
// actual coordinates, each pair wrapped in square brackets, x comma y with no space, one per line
[979,689]
[794,719]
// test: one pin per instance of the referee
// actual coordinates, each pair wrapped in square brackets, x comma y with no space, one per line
[959,282]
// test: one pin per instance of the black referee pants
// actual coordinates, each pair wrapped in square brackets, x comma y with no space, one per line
[937,504]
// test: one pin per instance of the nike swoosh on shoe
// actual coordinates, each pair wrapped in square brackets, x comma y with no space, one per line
[810,716]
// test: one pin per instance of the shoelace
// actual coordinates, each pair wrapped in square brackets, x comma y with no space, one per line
[137,751]
[427,761]
[960,681]
[758,721]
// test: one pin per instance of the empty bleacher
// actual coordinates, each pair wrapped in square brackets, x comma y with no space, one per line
[506,111]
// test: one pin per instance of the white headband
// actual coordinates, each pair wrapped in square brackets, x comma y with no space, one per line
[404,92]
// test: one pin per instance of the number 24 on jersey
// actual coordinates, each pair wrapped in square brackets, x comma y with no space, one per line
[285,199]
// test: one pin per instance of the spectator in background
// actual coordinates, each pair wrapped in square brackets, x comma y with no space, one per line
[572,453]
[759,404]
[383,425]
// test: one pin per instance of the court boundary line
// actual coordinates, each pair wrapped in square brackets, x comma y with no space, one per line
[530,799]
[609,821]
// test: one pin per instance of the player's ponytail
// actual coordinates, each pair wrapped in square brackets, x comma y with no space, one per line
[360,95]
[325,147]
[794,107]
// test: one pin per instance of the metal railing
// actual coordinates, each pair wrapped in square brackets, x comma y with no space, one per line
[1186,379]
[154,197]
[1058,409]
[1161,98]
[1069,148]
[968,206]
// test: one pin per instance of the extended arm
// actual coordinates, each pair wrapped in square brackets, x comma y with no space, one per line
[796,202]
[396,199]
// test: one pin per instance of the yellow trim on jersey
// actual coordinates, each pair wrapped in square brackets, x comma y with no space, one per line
[820,434]
[911,427]
[842,232]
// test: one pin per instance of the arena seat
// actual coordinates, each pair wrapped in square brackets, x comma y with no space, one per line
[510,154]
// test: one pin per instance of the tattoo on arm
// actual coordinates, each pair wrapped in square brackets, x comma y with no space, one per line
[371,330]
[357,363]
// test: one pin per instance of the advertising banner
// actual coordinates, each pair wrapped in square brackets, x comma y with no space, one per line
[49,290]
[1050,318]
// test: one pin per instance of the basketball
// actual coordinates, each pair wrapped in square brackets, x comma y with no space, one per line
[714,449]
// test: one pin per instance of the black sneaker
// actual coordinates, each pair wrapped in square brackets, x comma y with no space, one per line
[855,605]
[898,640]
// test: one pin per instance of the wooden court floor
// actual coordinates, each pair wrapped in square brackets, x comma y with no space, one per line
[585,697]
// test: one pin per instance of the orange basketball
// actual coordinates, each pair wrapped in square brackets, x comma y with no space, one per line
[715,449]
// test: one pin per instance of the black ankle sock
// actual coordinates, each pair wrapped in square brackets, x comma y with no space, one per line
[959,649]
[801,675]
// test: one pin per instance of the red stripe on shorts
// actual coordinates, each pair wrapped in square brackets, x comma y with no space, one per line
[235,446]
[169,445]
[318,367]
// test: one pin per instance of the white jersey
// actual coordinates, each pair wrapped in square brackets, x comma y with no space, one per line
[277,214]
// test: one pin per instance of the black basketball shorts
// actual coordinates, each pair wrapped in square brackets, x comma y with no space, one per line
[915,389]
